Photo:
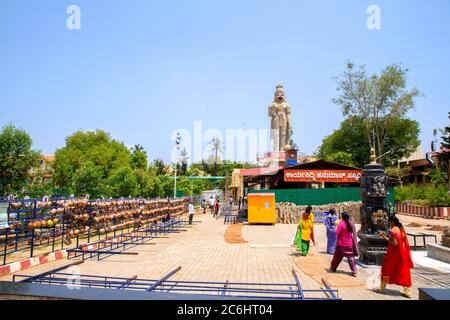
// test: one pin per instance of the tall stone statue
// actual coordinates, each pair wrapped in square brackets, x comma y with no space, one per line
[281,122]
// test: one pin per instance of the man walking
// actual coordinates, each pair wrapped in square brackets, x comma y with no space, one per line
[204,205]
[191,212]
[212,202]
[216,208]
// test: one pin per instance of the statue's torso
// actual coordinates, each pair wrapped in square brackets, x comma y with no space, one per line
[279,111]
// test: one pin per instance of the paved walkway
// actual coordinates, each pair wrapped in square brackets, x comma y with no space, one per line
[267,258]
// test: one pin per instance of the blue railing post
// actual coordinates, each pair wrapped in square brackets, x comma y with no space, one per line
[32,231]
[6,248]
[299,286]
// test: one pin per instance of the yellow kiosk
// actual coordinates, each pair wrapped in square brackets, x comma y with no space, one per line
[261,208]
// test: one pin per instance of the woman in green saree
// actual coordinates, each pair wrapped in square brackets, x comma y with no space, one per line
[305,233]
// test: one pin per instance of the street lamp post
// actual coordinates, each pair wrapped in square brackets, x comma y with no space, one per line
[384,154]
[177,145]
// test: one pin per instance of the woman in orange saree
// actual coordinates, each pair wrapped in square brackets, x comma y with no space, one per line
[398,262]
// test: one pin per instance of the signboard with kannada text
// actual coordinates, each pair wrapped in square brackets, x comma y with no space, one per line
[340,176]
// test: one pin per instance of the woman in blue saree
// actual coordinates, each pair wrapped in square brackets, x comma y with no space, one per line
[330,224]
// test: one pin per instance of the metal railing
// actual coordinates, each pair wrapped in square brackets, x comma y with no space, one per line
[57,228]
[248,290]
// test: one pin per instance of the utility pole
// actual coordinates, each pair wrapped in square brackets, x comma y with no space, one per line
[177,145]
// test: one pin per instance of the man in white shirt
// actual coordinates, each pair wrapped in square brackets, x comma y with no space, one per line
[212,202]
[191,212]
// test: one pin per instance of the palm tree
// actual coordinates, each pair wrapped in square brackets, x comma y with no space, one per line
[137,148]
[216,147]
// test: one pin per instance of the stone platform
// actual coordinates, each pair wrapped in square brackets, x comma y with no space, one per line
[438,252]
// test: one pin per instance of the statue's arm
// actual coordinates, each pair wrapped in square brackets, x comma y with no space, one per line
[270,111]
[289,117]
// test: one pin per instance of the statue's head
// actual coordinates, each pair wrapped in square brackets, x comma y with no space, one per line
[279,94]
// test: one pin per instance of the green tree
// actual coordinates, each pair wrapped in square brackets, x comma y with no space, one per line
[348,138]
[17,158]
[106,154]
[341,157]
[402,140]
[195,171]
[165,186]
[437,195]
[186,185]
[228,167]
[88,179]
[438,177]
[398,172]
[379,100]
[139,157]
[206,167]
[157,167]
[146,183]
[123,183]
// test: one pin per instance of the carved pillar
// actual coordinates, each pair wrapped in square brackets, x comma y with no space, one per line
[374,215]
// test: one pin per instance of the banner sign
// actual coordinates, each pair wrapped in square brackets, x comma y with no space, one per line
[342,176]
[291,162]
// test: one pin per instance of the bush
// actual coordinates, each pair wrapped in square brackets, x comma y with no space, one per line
[410,192]
[438,196]
[432,195]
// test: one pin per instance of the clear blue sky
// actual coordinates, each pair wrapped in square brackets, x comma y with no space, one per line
[140,69]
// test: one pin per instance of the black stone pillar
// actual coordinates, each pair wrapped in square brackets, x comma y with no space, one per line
[374,215]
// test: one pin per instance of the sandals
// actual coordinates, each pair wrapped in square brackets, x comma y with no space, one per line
[377,290]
